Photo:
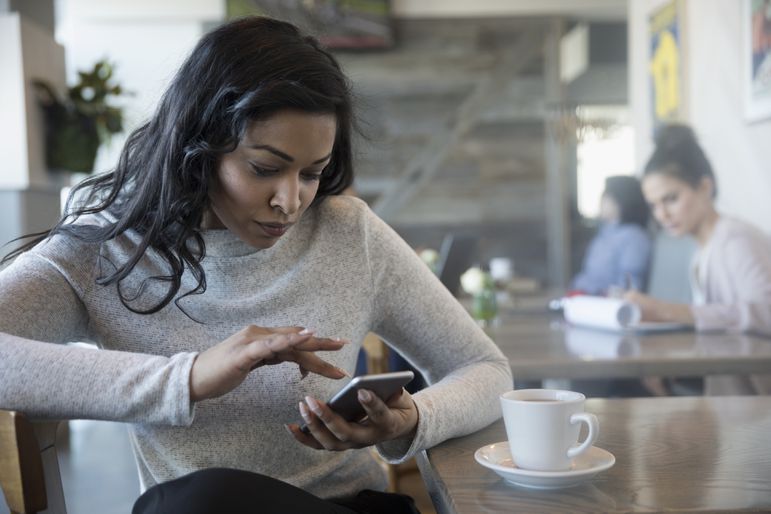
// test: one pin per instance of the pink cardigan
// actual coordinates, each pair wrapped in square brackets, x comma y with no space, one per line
[738,280]
[737,294]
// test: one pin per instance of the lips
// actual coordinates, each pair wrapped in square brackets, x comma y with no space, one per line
[274,229]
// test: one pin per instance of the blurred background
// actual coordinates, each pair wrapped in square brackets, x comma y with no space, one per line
[493,121]
[495,118]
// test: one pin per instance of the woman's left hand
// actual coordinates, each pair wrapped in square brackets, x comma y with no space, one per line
[393,419]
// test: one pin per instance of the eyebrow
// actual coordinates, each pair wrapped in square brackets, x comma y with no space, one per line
[285,156]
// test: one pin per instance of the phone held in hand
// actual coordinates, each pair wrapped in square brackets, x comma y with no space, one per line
[346,401]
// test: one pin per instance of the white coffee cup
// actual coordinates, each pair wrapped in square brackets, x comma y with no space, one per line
[543,425]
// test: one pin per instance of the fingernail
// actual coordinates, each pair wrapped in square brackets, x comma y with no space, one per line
[304,412]
[345,373]
[364,395]
[314,405]
[306,332]
[288,429]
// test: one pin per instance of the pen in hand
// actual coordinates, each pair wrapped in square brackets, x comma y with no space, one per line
[628,282]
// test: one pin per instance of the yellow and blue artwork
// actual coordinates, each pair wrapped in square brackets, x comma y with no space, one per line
[666,65]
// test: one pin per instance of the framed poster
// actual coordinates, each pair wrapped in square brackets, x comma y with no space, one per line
[665,65]
[756,50]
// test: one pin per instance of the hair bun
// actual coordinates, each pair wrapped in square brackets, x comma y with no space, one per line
[675,135]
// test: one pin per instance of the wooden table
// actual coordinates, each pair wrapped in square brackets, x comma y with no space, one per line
[709,454]
[542,346]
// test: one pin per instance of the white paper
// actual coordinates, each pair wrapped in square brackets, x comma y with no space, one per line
[601,312]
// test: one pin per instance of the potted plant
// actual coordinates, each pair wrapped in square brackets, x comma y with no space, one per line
[79,123]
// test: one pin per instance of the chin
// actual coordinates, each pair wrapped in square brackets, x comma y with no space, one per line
[255,241]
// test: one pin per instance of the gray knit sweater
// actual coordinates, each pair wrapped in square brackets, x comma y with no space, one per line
[340,271]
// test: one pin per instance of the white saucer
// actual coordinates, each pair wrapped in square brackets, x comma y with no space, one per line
[498,458]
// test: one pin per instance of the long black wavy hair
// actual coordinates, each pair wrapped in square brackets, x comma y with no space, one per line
[243,71]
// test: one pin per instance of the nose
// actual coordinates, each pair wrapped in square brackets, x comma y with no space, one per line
[286,196]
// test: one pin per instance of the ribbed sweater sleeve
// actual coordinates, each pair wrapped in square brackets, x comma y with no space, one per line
[417,315]
[738,284]
[45,380]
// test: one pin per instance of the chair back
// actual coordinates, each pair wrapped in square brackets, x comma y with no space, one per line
[670,268]
[29,468]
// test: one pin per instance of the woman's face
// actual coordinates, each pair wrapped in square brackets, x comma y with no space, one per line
[677,206]
[265,185]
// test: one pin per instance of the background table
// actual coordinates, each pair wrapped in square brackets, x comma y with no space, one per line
[696,454]
[542,346]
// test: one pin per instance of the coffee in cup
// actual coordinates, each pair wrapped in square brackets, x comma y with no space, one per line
[543,426]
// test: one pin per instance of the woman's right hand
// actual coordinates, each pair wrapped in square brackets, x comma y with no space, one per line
[657,310]
[223,367]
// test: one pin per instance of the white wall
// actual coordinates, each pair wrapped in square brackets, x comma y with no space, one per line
[13,137]
[146,40]
[27,51]
[739,151]
[43,58]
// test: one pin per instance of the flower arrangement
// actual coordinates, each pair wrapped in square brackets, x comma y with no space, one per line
[474,281]
[430,257]
[79,123]
[479,284]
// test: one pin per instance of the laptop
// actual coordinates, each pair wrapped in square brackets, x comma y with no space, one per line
[456,255]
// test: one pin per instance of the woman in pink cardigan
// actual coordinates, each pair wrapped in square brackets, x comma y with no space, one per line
[731,272]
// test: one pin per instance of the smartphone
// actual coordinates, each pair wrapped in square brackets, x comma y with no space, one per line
[384,385]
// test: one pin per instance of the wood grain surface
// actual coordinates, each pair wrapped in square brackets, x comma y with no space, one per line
[705,454]
[542,346]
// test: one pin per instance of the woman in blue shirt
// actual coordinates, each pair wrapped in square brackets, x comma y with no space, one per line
[619,255]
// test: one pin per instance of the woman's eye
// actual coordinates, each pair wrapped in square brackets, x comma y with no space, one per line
[261,170]
[312,176]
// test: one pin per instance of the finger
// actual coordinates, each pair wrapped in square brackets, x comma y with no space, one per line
[322,344]
[327,427]
[394,418]
[377,410]
[292,330]
[315,364]
[302,437]
[266,348]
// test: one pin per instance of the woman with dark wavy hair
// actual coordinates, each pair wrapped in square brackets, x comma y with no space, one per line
[229,287]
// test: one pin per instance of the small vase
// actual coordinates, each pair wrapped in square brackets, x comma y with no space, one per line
[484,307]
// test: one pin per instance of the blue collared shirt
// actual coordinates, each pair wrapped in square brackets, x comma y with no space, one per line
[619,255]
